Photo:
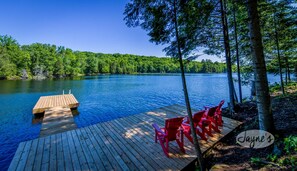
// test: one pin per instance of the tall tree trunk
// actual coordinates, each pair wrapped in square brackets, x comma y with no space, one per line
[286,76]
[189,111]
[261,83]
[278,56]
[288,70]
[237,53]
[227,53]
[235,95]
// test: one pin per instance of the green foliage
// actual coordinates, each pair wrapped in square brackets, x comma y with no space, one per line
[272,157]
[278,21]
[45,61]
[288,161]
[275,17]
[172,23]
[288,158]
[7,69]
[256,161]
[290,144]
[276,87]
[12,59]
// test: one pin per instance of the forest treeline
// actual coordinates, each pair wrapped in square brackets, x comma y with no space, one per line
[40,61]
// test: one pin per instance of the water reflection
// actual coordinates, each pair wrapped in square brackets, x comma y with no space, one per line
[37,86]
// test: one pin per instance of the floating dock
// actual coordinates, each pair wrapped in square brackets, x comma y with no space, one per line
[47,102]
[57,113]
[122,144]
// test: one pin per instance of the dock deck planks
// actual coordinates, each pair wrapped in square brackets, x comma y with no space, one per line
[57,113]
[122,144]
[47,102]
[57,120]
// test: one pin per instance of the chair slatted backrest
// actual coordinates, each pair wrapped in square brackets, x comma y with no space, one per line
[171,127]
[221,103]
[211,111]
[198,115]
[219,107]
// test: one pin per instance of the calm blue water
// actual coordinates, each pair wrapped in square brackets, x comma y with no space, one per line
[101,98]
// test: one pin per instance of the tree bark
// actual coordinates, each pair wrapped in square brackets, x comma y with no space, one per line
[189,111]
[261,84]
[227,53]
[237,53]
[278,56]
[288,71]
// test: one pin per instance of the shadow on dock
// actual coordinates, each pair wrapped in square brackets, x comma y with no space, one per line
[125,143]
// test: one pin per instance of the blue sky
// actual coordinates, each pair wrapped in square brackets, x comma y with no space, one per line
[85,25]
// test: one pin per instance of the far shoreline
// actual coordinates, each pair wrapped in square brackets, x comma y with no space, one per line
[77,76]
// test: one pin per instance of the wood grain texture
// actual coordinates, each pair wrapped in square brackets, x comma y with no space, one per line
[57,120]
[122,144]
[47,102]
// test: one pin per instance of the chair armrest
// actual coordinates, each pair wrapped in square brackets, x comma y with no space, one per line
[186,127]
[185,124]
[205,120]
[180,128]
[218,112]
[158,129]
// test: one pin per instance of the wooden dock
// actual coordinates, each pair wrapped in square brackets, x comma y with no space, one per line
[57,113]
[56,120]
[47,102]
[122,144]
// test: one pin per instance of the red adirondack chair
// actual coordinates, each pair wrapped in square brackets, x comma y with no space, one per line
[201,123]
[172,131]
[214,114]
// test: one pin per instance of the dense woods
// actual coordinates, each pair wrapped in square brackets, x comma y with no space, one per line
[40,61]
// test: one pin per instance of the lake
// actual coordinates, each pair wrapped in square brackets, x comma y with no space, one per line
[101,98]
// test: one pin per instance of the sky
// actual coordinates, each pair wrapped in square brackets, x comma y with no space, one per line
[84,25]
